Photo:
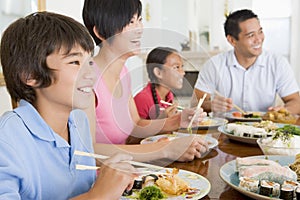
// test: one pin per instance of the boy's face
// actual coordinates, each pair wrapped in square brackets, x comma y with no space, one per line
[74,81]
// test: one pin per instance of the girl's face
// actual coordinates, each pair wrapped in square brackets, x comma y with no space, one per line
[74,81]
[172,72]
[128,42]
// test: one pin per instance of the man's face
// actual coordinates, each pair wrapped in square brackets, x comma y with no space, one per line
[250,39]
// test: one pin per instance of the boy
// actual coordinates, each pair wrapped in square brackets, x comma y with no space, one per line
[47,65]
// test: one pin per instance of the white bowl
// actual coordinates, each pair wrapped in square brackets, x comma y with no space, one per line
[271,147]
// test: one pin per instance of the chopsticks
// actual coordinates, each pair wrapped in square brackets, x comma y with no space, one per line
[87,167]
[169,104]
[82,153]
[189,128]
[234,105]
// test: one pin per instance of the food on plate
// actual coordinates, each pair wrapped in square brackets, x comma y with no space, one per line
[151,192]
[265,177]
[171,183]
[280,116]
[206,122]
[246,115]
[254,130]
[160,185]
[285,141]
[249,184]
[262,169]
[269,188]
[295,166]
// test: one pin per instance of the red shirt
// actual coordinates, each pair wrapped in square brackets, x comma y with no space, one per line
[145,103]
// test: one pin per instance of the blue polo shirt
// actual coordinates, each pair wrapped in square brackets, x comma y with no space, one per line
[253,89]
[36,163]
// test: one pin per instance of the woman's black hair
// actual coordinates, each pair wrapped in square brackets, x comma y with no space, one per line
[109,17]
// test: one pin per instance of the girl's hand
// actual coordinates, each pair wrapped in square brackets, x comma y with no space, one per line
[188,113]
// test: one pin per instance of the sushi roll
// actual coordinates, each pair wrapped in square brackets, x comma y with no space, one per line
[287,192]
[247,134]
[269,188]
[249,184]
[293,184]
[297,193]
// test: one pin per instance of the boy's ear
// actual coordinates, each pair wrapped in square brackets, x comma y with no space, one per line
[31,82]
[97,34]
[157,72]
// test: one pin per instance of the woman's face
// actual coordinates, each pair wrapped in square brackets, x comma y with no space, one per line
[172,72]
[128,42]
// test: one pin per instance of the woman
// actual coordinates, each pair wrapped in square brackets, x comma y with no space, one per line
[117,29]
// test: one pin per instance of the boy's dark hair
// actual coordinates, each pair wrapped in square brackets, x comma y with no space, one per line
[109,17]
[157,58]
[27,42]
[233,20]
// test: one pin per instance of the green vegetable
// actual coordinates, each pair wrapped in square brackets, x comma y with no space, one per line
[294,130]
[151,193]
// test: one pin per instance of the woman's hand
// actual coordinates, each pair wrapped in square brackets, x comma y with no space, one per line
[188,148]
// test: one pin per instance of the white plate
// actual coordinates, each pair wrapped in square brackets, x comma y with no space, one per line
[215,122]
[194,181]
[247,140]
[230,117]
[229,175]
[212,142]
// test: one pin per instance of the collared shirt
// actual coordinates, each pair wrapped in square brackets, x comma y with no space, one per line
[254,89]
[36,163]
[145,103]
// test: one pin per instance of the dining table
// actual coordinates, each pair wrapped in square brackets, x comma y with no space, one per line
[209,166]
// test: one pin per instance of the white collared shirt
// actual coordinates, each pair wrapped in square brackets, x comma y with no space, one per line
[254,89]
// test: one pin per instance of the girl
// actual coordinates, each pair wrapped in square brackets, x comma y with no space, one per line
[164,67]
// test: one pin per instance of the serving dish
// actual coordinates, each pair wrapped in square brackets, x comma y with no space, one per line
[212,142]
[231,118]
[210,123]
[242,139]
[271,147]
[194,180]
[245,139]
[230,176]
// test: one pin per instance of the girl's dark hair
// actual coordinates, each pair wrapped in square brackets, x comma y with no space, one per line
[109,17]
[27,42]
[232,23]
[157,58]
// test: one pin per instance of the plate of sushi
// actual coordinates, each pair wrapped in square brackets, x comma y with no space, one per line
[172,184]
[249,132]
[262,177]
[244,117]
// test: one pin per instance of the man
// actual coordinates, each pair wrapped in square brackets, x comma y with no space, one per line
[247,76]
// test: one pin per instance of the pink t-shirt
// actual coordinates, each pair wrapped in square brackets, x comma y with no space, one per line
[113,120]
[145,103]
